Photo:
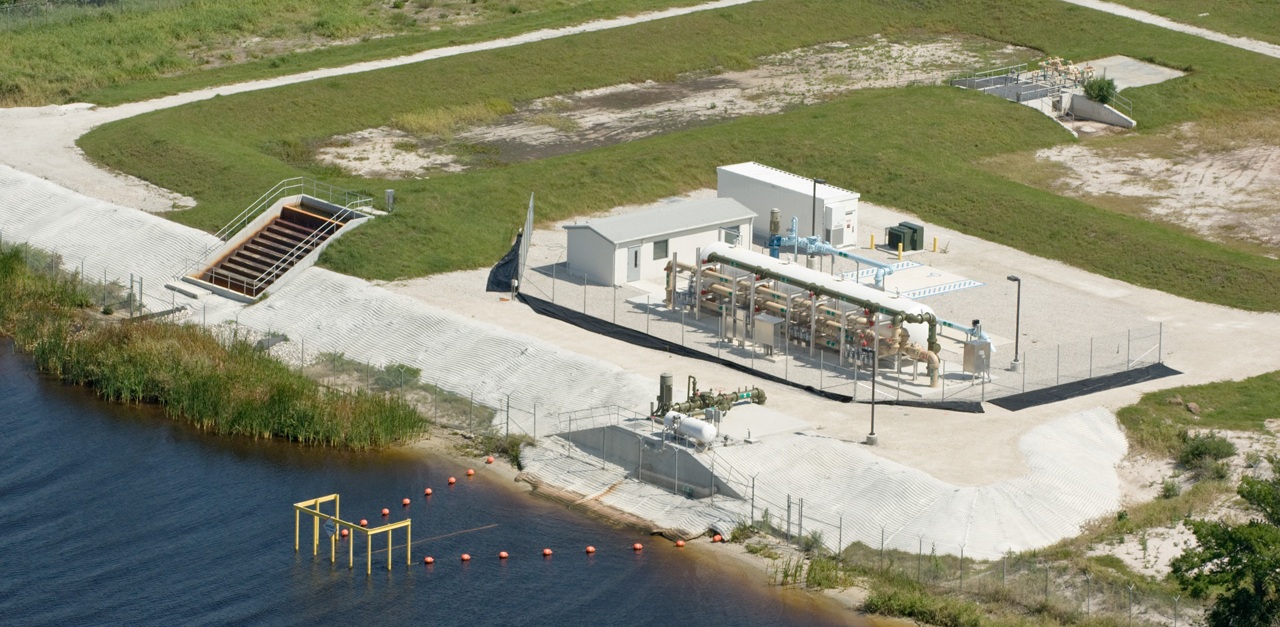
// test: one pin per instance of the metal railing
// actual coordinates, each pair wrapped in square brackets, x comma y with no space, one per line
[347,199]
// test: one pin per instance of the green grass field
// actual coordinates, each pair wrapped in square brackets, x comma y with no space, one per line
[1256,19]
[139,49]
[1155,423]
[914,148]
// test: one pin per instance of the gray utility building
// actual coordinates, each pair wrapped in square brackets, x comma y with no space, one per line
[832,211]
[637,246]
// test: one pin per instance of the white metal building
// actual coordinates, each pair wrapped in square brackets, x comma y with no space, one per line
[637,246]
[762,188]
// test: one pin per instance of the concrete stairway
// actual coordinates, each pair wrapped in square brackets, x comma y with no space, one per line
[254,265]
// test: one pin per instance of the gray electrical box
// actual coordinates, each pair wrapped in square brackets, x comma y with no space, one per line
[977,356]
[768,331]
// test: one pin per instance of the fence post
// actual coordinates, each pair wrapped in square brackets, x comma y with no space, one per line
[508,415]
[584,294]
[753,500]
[962,558]
[1128,348]
[1057,373]
[1091,358]
[615,304]
[1130,604]
[800,520]
[681,325]
[919,555]
[788,518]
[535,419]
[881,547]
[647,312]
[840,541]
[1088,596]
[1024,371]
[553,282]
[1160,345]
[1175,609]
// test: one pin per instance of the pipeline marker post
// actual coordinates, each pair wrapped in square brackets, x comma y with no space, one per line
[899,251]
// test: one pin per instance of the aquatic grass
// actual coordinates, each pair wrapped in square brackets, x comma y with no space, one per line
[446,121]
[224,387]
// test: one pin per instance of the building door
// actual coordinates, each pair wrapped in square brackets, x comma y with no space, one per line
[633,264]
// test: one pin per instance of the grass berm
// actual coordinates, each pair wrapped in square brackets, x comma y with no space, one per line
[916,148]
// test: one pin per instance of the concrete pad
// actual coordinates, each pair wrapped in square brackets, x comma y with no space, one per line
[759,421]
[1128,72]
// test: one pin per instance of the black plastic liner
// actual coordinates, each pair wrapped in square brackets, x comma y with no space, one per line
[632,336]
[505,271]
[1081,388]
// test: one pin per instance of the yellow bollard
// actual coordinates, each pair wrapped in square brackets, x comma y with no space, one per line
[899,251]
[873,241]
[388,550]
[295,530]
[351,550]
[935,244]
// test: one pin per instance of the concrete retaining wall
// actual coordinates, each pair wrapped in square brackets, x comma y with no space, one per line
[671,467]
[1086,109]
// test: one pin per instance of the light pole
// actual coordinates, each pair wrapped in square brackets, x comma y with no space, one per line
[1017,324]
[875,362]
[813,223]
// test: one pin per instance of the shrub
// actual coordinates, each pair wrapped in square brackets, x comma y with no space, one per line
[918,605]
[811,542]
[742,532]
[1100,90]
[1170,489]
[1207,468]
[1204,446]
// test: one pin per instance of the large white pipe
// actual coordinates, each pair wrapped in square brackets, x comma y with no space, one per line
[801,276]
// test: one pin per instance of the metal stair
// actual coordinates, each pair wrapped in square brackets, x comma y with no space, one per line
[253,266]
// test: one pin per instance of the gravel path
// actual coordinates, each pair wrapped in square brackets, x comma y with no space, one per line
[1244,43]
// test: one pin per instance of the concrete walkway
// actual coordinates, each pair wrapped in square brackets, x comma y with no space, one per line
[1244,43]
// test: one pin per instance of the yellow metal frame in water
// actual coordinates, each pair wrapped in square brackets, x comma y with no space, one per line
[312,508]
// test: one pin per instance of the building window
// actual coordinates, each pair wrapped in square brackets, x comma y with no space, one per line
[660,249]
[730,234]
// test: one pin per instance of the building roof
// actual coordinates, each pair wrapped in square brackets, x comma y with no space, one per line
[787,180]
[673,219]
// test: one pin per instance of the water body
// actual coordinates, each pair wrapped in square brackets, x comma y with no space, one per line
[115,515]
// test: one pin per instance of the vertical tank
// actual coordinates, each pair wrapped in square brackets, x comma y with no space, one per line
[666,383]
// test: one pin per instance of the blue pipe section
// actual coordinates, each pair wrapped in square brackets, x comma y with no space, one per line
[813,245]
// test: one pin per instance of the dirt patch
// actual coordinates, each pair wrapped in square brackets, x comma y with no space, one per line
[589,119]
[1150,551]
[1223,192]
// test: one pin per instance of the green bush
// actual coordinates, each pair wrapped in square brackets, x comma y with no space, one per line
[1170,489]
[921,606]
[1100,90]
[1204,446]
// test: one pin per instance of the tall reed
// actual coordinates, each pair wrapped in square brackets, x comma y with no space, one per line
[222,387]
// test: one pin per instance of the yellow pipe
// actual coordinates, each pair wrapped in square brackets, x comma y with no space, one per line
[935,244]
[408,561]
[315,536]
[873,241]
[388,550]
[351,552]
[899,251]
[296,529]
[368,555]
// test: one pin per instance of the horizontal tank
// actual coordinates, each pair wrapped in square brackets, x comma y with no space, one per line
[692,428]
[800,276]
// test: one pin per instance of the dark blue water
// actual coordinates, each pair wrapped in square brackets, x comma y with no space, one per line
[114,515]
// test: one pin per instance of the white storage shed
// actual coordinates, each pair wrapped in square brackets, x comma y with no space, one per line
[637,246]
[762,188]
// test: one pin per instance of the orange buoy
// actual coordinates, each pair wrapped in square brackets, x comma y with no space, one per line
[426,492]
[591,549]
[637,546]
[452,481]
[680,543]
[405,502]
[470,472]
[364,523]
[503,555]
[428,560]
[386,512]
[345,533]
[718,538]
[546,552]
[466,557]
[488,460]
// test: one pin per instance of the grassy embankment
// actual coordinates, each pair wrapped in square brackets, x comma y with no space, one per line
[224,387]
[914,148]
[1256,19]
[1045,587]
[140,49]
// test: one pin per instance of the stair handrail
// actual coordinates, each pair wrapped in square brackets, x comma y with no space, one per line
[336,222]
[303,184]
